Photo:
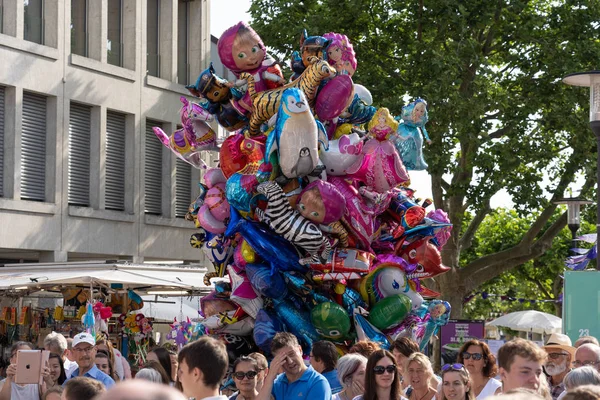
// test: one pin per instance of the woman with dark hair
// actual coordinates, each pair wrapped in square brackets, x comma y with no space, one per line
[57,371]
[456,383]
[245,371]
[476,356]
[163,356]
[381,381]
[104,364]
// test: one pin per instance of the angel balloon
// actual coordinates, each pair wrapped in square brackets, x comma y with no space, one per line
[408,140]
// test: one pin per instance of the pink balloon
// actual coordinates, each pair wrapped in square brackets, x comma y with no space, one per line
[334,97]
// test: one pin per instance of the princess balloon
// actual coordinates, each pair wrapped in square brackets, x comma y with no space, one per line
[380,168]
[408,140]
[340,53]
[242,50]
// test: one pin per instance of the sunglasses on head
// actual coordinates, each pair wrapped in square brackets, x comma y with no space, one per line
[241,375]
[454,367]
[476,356]
[380,369]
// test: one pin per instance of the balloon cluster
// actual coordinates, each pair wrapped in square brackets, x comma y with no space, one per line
[136,326]
[309,212]
[181,332]
[101,315]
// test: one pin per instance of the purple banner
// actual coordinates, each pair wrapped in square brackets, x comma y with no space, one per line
[457,332]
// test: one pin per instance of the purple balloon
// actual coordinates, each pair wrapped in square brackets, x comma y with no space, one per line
[334,97]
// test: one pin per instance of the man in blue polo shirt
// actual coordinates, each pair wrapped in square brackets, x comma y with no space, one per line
[289,377]
[84,352]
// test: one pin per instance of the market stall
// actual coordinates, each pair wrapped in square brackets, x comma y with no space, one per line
[36,299]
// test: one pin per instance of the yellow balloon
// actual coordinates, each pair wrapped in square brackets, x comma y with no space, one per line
[339,288]
[248,253]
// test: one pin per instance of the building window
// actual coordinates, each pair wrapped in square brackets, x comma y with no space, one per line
[115,161]
[182,42]
[153,170]
[33,148]
[153,37]
[183,188]
[33,13]
[1,141]
[79,155]
[114,45]
[79,34]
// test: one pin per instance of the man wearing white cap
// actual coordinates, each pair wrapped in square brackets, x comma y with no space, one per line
[84,351]
[560,354]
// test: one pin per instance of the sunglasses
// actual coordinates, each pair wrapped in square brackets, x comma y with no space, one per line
[380,369]
[453,367]
[476,356]
[241,375]
[554,356]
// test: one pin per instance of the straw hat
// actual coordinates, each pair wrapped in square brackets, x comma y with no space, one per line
[561,342]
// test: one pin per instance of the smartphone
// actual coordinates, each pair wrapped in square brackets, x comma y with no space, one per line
[29,366]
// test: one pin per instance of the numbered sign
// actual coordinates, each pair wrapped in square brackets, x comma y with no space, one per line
[581,304]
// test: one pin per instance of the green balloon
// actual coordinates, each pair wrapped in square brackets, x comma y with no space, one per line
[330,320]
[390,311]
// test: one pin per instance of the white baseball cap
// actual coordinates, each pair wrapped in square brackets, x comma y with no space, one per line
[83,337]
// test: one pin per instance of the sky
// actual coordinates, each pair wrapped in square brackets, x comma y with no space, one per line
[226,13]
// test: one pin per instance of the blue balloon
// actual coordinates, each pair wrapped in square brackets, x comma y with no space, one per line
[351,300]
[266,283]
[280,253]
[298,323]
[366,331]
[265,327]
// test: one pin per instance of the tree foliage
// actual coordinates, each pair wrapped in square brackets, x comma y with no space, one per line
[500,116]
[538,279]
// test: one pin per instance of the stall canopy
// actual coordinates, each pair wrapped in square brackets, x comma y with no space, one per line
[529,321]
[166,309]
[143,278]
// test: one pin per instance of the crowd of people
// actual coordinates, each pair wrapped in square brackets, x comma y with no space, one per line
[84,368]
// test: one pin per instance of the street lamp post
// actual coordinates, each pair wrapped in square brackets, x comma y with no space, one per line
[573,213]
[591,79]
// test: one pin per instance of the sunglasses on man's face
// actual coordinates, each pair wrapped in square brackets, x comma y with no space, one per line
[554,356]
[241,375]
[380,369]
[453,367]
[476,356]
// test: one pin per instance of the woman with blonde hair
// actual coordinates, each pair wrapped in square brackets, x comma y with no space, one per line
[418,372]
[456,383]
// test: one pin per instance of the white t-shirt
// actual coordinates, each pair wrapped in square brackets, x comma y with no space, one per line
[70,367]
[489,389]
[25,392]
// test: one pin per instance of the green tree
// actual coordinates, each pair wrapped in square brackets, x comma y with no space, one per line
[537,279]
[501,119]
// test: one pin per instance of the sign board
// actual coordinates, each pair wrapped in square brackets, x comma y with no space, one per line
[581,304]
[457,332]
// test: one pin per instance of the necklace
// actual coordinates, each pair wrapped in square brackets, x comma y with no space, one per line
[422,397]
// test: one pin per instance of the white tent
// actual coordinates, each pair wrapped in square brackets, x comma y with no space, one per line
[165,309]
[530,321]
[143,278]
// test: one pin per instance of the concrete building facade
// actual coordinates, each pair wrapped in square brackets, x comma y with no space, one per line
[81,84]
